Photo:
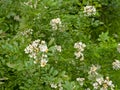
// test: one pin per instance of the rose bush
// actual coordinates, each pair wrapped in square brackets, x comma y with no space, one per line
[59,45]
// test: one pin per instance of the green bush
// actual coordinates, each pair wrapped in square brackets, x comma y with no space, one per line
[59,44]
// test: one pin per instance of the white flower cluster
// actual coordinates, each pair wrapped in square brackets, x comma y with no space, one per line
[35,48]
[27,32]
[80,48]
[31,4]
[99,82]
[53,85]
[103,84]
[118,48]
[59,85]
[89,10]
[80,80]
[93,70]
[55,23]
[116,65]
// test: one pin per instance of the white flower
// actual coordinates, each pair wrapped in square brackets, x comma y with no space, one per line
[55,23]
[109,82]
[80,46]
[95,85]
[35,43]
[35,47]
[79,55]
[53,85]
[116,65]
[93,70]
[100,80]
[58,48]
[43,62]
[32,49]
[42,42]
[80,80]
[43,47]
[89,10]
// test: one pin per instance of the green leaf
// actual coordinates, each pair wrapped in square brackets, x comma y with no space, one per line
[10,65]
[103,37]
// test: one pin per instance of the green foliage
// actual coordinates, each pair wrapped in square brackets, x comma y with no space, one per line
[99,32]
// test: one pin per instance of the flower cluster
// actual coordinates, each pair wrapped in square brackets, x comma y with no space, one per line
[80,80]
[27,32]
[93,70]
[99,83]
[89,10]
[55,23]
[80,48]
[116,65]
[59,85]
[35,48]
[103,84]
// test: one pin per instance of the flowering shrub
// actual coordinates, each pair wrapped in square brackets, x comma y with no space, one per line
[59,45]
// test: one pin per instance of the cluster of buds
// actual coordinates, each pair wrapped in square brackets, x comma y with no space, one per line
[103,84]
[89,10]
[80,48]
[116,65]
[55,23]
[38,51]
